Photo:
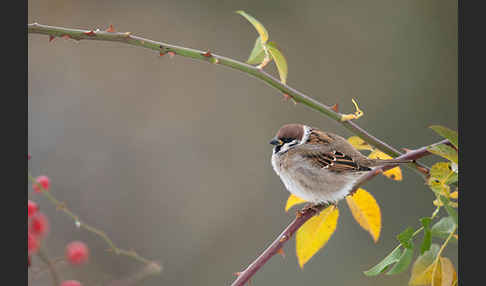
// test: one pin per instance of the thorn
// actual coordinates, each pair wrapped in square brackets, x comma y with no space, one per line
[378,171]
[335,107]
[207,54]
[284,238]
[51,38]
[406,150]
[66,37]
[299,213]
[90,33]
[286,96]
[61,206]
[161,53]
[239,273]
[423,170]
[127,34]
[110,29]
[281,252]
[28,156]
[171,54]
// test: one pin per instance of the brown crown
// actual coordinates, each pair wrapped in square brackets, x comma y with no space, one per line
[291,131]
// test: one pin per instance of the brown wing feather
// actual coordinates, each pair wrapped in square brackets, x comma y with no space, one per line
[333,161]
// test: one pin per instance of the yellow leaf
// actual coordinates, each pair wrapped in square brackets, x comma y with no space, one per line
[292,201]
[423,269]
[448,273]
[423,276]
[357,114]
[366,212]
[395,173]
[258,26]
[454,195]
[279,60]
[359,143]
[315,233]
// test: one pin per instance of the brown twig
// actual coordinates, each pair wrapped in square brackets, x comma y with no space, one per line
[50,265]
[307,213]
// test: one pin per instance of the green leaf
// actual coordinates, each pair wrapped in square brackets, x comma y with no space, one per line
[391,258]
[444,151]
[450,210]
[405,237]
[427,235]
[443,227]
[404,261]
[257,54]
[258,26]
[447,133]
[280,61]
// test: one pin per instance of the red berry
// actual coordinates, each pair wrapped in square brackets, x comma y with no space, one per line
[41,181]
[32,208]
[39,225]
[71,283]
[32,243]
[77,252]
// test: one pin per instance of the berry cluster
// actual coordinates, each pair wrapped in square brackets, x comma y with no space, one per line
[76,252]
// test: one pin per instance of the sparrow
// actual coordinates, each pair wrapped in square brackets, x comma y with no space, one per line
[319,167]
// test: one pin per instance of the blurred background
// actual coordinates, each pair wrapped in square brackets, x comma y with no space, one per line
[171,157]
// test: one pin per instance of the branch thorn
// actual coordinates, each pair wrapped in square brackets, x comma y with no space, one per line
[335,107]
[281,252]
[51,38]
[110,29]
[207,54]
[90,33]
[171,54]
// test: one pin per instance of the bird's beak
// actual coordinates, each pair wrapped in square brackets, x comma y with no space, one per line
[276,142]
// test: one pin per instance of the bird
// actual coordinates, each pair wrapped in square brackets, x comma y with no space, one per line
[317,166]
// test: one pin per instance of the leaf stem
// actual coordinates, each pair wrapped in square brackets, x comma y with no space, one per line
[163,48]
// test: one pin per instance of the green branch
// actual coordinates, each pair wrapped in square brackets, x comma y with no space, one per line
[207,56]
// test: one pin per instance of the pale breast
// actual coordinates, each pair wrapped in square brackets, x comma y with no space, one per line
[313,184]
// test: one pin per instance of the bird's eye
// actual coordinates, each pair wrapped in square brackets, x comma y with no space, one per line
[287,140]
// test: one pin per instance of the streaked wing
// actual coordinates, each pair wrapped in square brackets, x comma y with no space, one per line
[331,160]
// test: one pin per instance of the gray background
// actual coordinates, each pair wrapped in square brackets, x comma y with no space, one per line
[171,157]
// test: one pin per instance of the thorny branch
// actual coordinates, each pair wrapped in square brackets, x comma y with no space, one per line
[207,56]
